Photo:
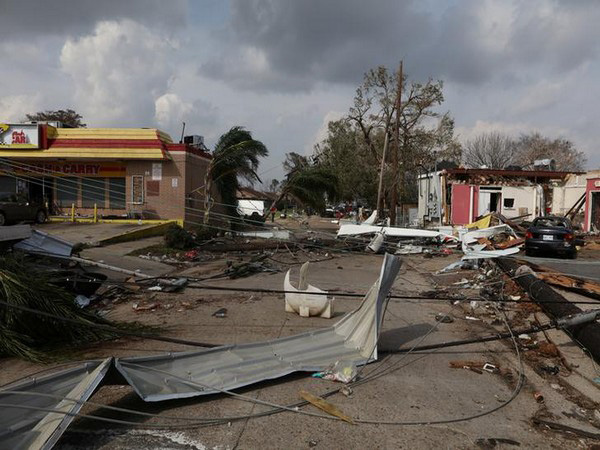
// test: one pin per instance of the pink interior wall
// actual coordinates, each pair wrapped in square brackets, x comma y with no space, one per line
[590,187]
[460,204]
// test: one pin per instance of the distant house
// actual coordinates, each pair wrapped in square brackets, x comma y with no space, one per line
[458,196]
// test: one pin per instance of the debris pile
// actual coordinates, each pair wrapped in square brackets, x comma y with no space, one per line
[23,331]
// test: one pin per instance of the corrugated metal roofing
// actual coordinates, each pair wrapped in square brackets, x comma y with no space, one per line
[25,427]
[188,374]
[25,421]
[45,244]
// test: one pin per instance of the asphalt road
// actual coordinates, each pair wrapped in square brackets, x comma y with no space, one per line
[579,267]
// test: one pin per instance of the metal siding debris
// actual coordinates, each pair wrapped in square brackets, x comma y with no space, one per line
[189,374]
[15,233]
[26,427]
[267,234]
[45,244]
[355,230]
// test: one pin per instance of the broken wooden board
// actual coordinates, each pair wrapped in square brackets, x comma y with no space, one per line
[579,285]
[510,243]
[576,284]
[324,405]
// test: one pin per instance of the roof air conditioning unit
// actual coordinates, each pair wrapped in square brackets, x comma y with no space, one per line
[194,140]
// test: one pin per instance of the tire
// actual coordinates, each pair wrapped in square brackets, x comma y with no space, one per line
[41,216]
[2,219]
[572,254]
[529,252]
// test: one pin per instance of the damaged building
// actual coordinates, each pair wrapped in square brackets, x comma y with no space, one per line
[459,196]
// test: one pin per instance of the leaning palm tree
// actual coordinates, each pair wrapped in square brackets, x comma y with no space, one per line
[308,184]
[236,156]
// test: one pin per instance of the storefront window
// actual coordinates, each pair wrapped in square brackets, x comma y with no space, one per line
[116,193]
[137,189]
[93,192]
[67,189]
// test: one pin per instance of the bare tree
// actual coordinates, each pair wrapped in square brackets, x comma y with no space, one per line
[534,146]
[421,127]
[494,150]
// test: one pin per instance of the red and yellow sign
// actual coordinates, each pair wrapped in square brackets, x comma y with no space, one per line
[79,169]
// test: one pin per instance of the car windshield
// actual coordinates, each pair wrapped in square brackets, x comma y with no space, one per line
[551,222]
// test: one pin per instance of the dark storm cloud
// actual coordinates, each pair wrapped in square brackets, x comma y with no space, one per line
[27,19]
[312,40]
[281,45]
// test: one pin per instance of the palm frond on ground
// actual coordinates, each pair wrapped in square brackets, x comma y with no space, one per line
[28,335]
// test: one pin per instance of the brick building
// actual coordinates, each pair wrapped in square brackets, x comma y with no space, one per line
[122,172]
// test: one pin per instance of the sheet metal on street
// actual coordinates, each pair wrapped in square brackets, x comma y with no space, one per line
[189,374]
[29,424]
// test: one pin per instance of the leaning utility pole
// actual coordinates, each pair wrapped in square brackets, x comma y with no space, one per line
[381,170]
[396,152]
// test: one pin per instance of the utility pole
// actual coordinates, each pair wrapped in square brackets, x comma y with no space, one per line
[395,177]
[381,170]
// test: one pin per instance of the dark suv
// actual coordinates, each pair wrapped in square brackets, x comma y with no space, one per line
[17,208]
[553,234]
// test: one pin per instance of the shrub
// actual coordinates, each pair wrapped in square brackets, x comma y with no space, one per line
[176,237]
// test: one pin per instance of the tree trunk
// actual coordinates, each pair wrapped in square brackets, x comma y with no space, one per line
[277,200]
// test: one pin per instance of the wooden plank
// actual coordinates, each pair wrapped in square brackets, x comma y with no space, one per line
[510,243]
[324,405]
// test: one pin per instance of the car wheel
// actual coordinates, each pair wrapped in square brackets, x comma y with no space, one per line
[572,254]
[41,216]
[529,252]
[2,219]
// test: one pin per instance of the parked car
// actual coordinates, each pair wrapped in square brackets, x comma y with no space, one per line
[329,212]
[17,208]
[553,234]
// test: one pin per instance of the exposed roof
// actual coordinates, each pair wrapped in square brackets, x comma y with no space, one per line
[549,174]
[248,193]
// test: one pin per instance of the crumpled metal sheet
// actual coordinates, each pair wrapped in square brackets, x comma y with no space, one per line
[30,421]
[45,244]
[189,374]
[356,230]
[29,424]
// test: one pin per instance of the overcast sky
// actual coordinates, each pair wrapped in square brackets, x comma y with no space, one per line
[284,68]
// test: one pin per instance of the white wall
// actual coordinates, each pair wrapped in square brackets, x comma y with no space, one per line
[429,196]
[565,196]
[524,197]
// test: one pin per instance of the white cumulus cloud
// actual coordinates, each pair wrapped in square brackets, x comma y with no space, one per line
[118,72]
[14,107]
